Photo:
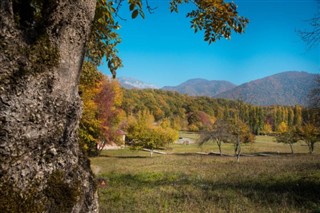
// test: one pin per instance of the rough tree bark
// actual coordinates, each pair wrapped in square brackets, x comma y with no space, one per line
[42,168]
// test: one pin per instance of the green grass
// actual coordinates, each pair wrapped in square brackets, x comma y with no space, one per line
[187,182]
[262,144]
[191,135]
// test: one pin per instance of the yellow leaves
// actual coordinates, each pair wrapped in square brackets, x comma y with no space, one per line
[283,127]
[89,88]
[165,123]
[145,119]
[309,130]
[118,94]
[267,128]
[145,134]
[310,134]
[101,99]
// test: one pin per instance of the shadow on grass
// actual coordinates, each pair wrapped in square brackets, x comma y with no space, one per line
[300,192]
[124,156]
[185,154]
[254,154]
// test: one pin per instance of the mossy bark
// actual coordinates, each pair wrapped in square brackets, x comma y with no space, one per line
[42,45]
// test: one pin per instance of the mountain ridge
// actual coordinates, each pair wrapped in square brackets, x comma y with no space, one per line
[208,87]
[284,88]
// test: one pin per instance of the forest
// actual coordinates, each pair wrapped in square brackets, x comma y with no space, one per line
[108,109]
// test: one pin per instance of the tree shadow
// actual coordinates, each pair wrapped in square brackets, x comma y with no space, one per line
[124,157]
[301,193]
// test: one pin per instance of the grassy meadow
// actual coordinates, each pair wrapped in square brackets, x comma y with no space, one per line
[184,181]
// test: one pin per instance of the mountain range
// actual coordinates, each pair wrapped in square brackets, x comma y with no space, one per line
[286,88]
[202,87]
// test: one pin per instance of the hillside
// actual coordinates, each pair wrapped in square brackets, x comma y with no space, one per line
[201,87]
[198,113]
[287,88]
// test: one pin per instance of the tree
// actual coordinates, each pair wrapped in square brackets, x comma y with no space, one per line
[199,120]
[102,98]
[142,133]
[283,127]
[289,136]
[109,102]
[310,135]
[90,126]
[228,131]
[43,45]
[312,36]
[297,115]
[217,18]
[242,134]
[267,128]
[220,133]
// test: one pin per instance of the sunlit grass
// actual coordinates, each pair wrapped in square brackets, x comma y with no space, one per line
[187,182]
[265,144]
[191,135]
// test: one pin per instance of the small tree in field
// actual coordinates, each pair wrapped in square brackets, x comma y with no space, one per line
[288,137]
[242,133]
[228,132]
[310,134]
[220,133]
[143,134]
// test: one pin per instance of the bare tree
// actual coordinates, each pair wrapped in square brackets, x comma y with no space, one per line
[312,36]
[221,133]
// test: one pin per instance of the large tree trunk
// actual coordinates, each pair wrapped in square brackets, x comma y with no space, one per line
[42,168]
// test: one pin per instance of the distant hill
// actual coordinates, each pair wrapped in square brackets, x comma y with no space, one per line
[130,83]
[287,88]
[201,87]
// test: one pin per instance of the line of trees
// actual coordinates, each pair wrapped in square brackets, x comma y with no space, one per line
[200,113]
[152,118]
[308,133]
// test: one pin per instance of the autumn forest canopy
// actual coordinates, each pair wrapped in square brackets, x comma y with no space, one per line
[110,109]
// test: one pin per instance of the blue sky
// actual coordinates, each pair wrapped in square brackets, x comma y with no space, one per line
[162,49]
